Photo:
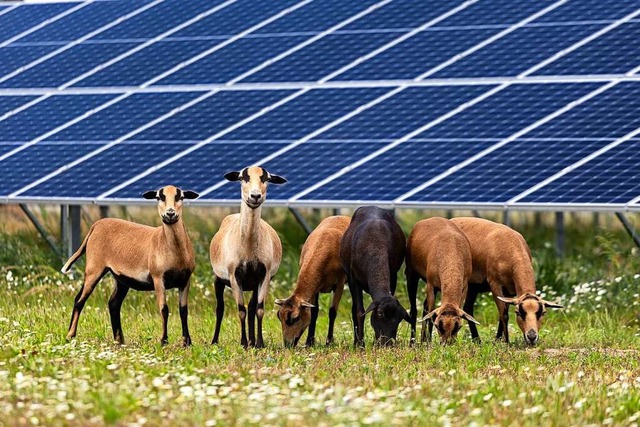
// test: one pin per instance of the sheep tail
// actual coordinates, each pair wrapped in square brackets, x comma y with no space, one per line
[81,250]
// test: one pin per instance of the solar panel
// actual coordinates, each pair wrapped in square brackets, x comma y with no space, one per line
[483,103]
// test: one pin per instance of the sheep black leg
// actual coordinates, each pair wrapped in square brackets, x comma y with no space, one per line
[311,335]
[161,300]
[333,311]
[503,321]
[357,313]
[184,314]
[253,303]
[219,285]
[412,292]
[90,282]
[469,304]
[115,304]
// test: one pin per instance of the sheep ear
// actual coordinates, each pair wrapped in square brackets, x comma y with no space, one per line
[152,194]
[306,304]
[190,194]
[276,179]
[505,300]
[279,301]
[369,309]
[548,304]
[429,316]
[469,318]
[232,176]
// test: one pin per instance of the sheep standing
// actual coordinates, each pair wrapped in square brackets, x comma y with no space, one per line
[320,271]
[139,257]
[246,253]
[438,253]
[502,264]
[372,251]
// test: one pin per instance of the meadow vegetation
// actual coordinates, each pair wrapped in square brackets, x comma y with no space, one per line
[585,370]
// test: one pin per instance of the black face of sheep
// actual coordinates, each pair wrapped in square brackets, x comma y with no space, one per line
[386,315]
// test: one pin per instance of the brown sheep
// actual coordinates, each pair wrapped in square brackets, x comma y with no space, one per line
[502,264]
[320,271]
[246,253]
[139,257]
[438,253]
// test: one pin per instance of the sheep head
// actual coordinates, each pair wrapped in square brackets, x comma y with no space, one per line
[530,309]
[386,315]
[254,181]
[295,316]
[448,321]
[170,201]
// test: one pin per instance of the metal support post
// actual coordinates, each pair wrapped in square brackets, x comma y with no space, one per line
[40,228]
[629,227]
[298,216]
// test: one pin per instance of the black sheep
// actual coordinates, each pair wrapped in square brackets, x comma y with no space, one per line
[372,251]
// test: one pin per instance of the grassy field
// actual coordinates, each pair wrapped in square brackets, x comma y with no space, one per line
[586,369]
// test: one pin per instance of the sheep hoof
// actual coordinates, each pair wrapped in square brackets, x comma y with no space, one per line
[310,343]
[186,341]
[259,344]
[164,341]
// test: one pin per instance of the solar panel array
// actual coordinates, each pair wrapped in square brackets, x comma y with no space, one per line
[481,103]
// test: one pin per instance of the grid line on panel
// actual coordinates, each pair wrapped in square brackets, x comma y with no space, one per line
[45,23]
[574,166]
[255,116]
[446,116]
[80,40]
[140,129]
[337,84]
[9,9]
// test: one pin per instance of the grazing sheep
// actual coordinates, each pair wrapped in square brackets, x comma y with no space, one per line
[372,251]
[320,271]
[139,257]
[438,253]
[502,264]
[246,253]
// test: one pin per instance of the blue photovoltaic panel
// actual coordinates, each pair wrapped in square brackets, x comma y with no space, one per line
[518,51]
[67,65]
[33,162]
[304,164]
[84,21]
[509,110]
[212,115]
[614,177]
[316,16]
[508,171]
[404,112]
[235,18]
[157,20]
[418,54]
[24,17]
[305,114]
[147,63]
[386,172]
[47,115]
[107,169]
[322,57]
[399,170]
[232,60]
[590,10]
[13,57]
[124,116]
[9,103]
[611,114]
[614,52]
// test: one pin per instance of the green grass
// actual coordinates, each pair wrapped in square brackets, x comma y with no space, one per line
[586,369]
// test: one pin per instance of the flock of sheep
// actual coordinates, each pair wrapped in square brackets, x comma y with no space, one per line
[460,258]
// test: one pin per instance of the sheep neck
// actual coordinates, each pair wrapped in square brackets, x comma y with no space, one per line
[524,279]
[175,236]
[305,290]
[249,225]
